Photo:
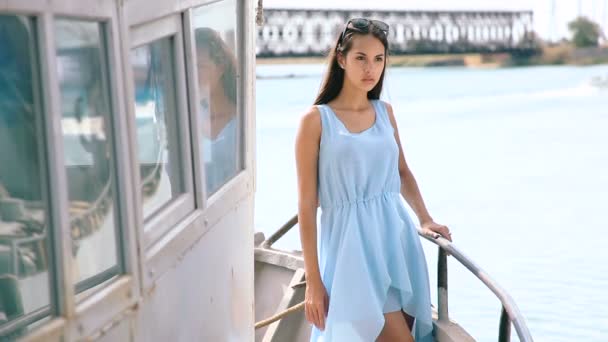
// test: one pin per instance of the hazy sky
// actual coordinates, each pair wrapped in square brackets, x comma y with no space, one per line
[565,10]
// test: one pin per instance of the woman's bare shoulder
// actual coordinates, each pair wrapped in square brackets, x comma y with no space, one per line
[310,121]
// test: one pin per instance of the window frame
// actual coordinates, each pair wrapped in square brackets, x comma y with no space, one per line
[50,311]
[211,203]
[111,297]
[162,221]
[166,251]
[74,318]
[142,264]
[99,278]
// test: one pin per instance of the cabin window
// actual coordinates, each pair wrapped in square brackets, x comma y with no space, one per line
[157,124]
[217,72]
[25,261]
[160,115]
[89,162]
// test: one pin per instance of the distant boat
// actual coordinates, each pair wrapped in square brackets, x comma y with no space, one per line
[280,285]
[599,81]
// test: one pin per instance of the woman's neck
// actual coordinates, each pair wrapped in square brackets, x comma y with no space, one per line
[218,100]
[352,97]
[221,110]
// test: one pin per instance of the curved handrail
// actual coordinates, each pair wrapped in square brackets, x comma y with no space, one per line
[152,175]
[93,207]
[99,205]
[510,312]
[84,223]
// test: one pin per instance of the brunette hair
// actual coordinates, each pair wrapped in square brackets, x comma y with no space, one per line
[334,76]
[222,56]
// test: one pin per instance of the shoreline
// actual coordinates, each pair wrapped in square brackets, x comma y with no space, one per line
[550,55]
[394,60]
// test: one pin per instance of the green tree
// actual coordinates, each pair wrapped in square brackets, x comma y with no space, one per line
[585,32]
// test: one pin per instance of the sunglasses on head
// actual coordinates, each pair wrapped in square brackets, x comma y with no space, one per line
[364,24]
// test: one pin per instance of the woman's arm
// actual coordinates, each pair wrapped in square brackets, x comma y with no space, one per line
[308,137]
[307,158]
[410,190]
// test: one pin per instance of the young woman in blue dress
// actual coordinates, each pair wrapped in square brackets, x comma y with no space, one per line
[349,99]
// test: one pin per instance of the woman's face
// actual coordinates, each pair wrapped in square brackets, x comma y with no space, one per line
[364,62]
[214,117]
[208,72]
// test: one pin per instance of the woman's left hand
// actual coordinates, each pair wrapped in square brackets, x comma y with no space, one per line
[435,230]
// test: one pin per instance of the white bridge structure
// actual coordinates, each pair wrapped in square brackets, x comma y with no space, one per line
[290,31]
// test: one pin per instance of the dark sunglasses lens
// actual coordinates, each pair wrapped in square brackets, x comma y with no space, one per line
[364,24]
[360,23]
[380,24]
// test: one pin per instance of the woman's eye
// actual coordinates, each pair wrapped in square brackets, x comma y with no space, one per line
[360,58]
[379,59]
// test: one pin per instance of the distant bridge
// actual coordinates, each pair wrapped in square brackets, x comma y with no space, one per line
[295,32]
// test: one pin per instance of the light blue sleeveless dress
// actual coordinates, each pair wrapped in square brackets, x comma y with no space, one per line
[370,256]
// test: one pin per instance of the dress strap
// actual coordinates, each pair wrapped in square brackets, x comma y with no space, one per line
[326,121]
[382,114]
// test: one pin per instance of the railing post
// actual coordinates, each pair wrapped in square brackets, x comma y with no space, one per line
[504,331]
[279,233]
[442,286]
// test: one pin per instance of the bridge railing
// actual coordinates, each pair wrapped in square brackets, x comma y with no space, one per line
[306,32]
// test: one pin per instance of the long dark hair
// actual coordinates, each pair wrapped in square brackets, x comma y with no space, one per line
[334,76]
[222,56]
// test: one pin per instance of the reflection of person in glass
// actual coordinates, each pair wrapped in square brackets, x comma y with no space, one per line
[216,67]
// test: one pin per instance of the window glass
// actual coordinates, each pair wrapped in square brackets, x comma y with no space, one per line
[24,221]
[85,123]
[156,119]
[217,69]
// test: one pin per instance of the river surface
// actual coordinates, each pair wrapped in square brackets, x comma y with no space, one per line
[514,161]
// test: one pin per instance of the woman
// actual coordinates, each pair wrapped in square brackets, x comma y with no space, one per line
[366,275]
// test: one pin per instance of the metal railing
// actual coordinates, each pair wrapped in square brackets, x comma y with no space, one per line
[510,313]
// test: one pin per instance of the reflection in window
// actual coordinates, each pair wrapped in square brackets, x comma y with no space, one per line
[215,38]
[156,119]
[24,230]
[86,122]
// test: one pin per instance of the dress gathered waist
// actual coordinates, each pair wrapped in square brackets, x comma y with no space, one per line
[362,199]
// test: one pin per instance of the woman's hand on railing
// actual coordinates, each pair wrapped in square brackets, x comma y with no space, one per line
[435,230]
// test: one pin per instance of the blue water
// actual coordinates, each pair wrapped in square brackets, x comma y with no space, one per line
[514,161]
